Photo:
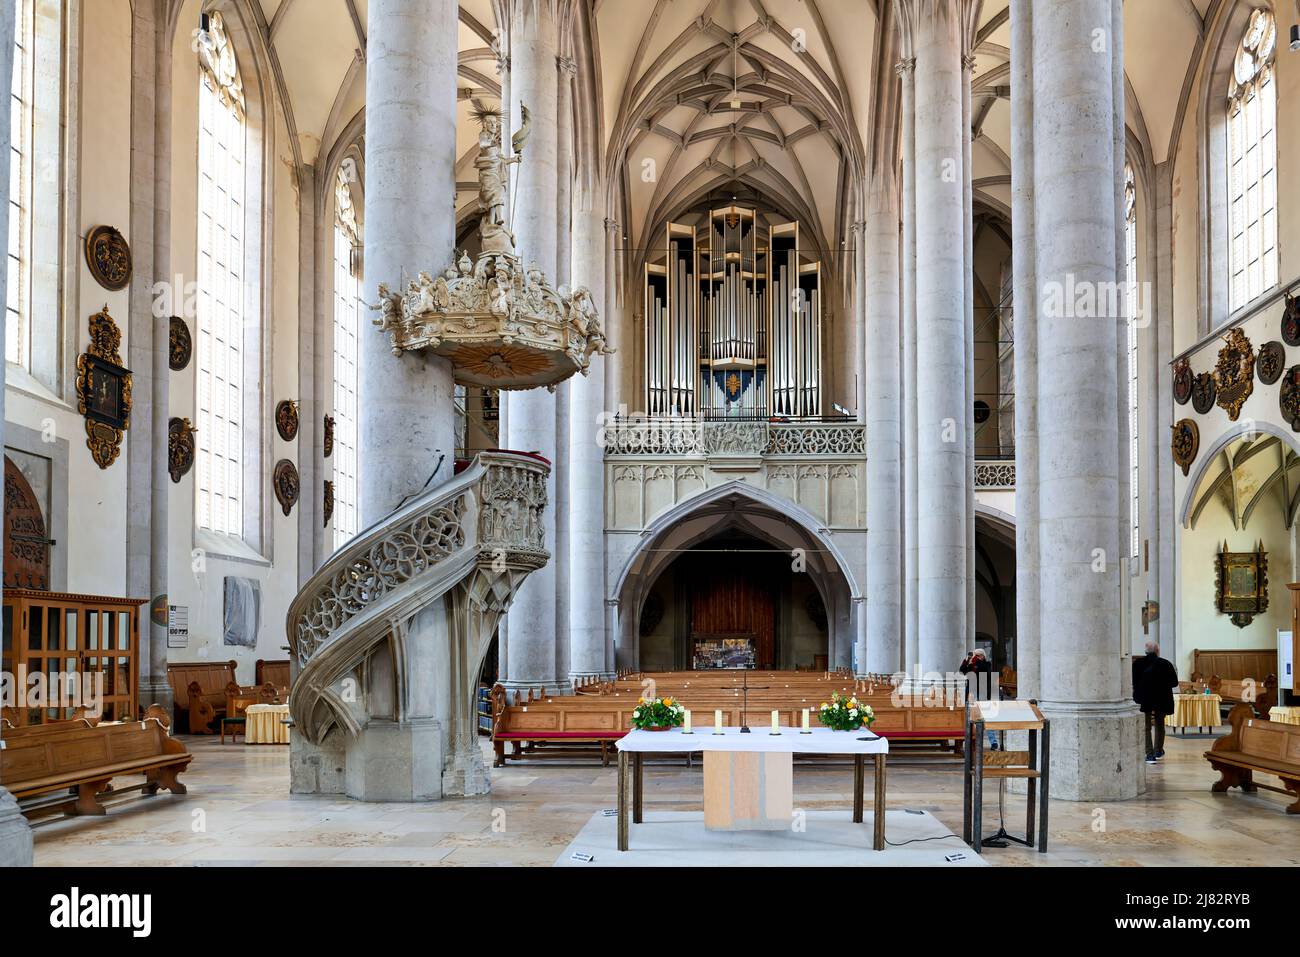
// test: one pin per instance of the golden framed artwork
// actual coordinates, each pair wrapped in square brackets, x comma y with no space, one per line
[1241,583]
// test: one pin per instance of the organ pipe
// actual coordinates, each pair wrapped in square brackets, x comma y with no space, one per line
[733,327]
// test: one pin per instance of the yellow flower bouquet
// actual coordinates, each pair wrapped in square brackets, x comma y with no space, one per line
[657,715]
[845,713]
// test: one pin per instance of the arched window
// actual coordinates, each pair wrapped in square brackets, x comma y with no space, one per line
[1252,163]
[20,124]
[220,302]
[347,320]
[1131,302]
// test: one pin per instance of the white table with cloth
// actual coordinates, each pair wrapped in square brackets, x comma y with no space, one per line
[1284,714]
[750,773]
[1195,711]
[265,724]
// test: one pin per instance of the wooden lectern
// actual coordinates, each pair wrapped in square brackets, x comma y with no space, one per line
[981,762]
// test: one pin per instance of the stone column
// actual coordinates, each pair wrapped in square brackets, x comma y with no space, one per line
[406,402]
[968,279]
[906,69]
[884,430]
[586,557]
[534,45]
[1025,325]
[1094,728]
[942,415]
[858,339]
[1160,494]
[15,834]
[410,226]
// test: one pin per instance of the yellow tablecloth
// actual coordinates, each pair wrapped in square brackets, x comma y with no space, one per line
[1284,714]
[1194,711]
[266,724]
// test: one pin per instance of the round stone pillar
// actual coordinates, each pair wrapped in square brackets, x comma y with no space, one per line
[942,413]
[406,433]
[534,81]
[1095,754]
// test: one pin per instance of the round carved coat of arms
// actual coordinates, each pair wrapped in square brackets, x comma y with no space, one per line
[109,258]
[1183,381]
[1291,321]
[1203,392]
[1186,443]
[180,345]
[1270,362]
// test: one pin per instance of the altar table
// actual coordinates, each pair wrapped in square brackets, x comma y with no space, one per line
[635,744]
[1284,714]
[265,724]
[1195,711]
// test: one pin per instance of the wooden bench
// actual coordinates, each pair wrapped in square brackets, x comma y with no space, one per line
[197,709]
[539,725]
[88,759]
[1235,663]
[1260,695]
[271,672]
[1254,744]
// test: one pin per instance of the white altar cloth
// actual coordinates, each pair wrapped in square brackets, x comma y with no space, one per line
[760,738]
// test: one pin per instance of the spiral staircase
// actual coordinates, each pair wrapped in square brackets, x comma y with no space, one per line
[416,595]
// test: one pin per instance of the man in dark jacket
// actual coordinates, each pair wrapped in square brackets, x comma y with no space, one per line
[1154,681]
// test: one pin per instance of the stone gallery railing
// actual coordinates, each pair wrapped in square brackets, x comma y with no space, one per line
[995,474]
[473,539]
[698,437]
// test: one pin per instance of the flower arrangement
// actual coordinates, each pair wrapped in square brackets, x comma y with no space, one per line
[845,713]
[657,715]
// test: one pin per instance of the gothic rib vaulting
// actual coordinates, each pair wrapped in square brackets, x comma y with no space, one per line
[407,382]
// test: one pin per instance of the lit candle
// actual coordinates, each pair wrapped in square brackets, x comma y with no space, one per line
[776,722]
[687,722]
[717,721]
[805,719]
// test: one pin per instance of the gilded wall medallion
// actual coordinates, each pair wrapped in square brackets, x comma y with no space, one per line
[1291,321]
[328,509]
[286,419]
[1203,392]
[1288,397]
[109,258]
[286,483]
[180,447]
[1186,443]
[104,390]
[1182,381]
[180,345]
[328,441]
[1270,362]
[1234,373]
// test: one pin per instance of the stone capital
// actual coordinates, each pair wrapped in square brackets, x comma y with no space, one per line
[567,66]
[611,225]
[905,67]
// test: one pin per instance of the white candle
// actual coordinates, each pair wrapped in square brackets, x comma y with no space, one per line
[805,719]
[717,721]
[776,723]
[687,722]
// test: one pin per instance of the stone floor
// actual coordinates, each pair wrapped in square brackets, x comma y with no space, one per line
[239,811]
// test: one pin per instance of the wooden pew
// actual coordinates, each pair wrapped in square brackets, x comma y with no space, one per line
[1254,744]
[1259,695]
[88,759]
[1236,663]
[271,672]
[552,725]
[211,678]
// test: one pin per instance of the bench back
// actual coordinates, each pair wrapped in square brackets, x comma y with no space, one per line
[77,750]
[272,672]
[212,677]
[1271,739]
[1236,663]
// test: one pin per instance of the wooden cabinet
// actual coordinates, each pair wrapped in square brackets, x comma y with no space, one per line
[87,648]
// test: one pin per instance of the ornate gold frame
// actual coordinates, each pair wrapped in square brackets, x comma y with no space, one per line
[101,363]
[1241,583]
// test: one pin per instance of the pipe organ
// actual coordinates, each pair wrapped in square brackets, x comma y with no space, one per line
[733,326]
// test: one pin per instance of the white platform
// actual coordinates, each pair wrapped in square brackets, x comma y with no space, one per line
[831,839]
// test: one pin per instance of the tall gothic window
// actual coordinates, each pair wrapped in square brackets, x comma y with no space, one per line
[1252,163]
[1130,311]
[347,319]
[220,303]
[20,124]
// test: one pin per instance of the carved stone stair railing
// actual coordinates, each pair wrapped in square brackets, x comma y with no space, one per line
[461,551]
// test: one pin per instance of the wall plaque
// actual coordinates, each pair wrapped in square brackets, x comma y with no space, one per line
[180,447]
[1241,583]
[286,483]
[1270,362]
[286,419]
[328,503]
[1186,443]
[180,346]
[103,390]
[1203,392]
[109,257]
[1288,397]
[1234,374]
[328,441]
[1291,321]
[1182,381]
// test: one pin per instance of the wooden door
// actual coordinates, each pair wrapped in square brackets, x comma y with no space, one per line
[27,548]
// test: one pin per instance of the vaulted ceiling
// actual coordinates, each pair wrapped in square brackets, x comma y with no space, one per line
[778,95]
